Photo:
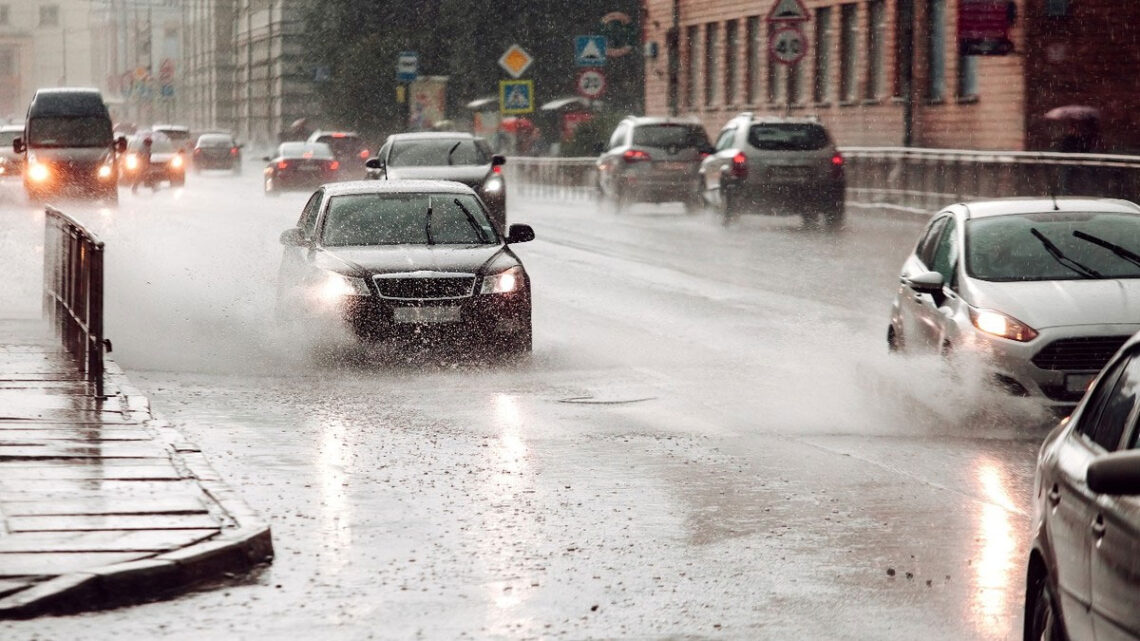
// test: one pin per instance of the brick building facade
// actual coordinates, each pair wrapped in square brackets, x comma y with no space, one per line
[712,62]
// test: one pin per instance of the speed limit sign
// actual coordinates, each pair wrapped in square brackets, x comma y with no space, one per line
[591,83]
[787,45]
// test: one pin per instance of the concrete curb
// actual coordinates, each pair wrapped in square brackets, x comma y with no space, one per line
[244,542]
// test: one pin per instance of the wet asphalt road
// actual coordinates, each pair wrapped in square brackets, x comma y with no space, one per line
[709,440]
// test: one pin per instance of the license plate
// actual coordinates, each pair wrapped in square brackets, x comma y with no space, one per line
[1078,382]
[308,168]
[674,166]
[426,314]
[791,174]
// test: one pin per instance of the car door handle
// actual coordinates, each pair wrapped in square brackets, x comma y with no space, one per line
[1055,495]
[1098,526]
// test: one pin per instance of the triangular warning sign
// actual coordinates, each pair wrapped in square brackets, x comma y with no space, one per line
[591,51]
[517,98]
[788,10]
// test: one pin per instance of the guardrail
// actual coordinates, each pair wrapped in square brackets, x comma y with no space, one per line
[919,180]
[73,292]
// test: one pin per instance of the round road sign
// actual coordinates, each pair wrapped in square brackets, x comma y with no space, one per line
[787,45]
[591,83]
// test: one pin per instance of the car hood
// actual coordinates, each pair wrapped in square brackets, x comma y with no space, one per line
[1060,303]
[409,258]
[470,175]
[78,155]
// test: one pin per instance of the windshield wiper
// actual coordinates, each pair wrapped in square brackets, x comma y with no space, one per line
[472,221]
[1062,259]
[452,150]
[427,225]
[1127,255]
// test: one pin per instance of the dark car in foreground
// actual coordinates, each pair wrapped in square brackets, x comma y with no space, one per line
[445,155]
[217,151]
[653,160]
[299,166]
[406,259]
[1083,577]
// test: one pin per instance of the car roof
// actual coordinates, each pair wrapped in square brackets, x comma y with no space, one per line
[7,128]
[333,132]
[397,187]
[429,135]
[1038,205]
[660,120]
[170,127]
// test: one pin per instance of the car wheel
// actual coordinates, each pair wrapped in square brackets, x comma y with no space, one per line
[894,341]
[270,188]
[695,203]
[833,219]
[1044,624]
[731,205]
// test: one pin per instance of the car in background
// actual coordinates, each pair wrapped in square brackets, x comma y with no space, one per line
[1043,291]
[348,148]
[178,135]
[11,163]
[167,161]
[446,155]
[778,166]
[299,166]
[217,151]
[653,160]
[1082,576]
[406,259]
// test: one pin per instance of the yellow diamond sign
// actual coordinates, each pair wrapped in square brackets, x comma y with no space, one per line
[515,61]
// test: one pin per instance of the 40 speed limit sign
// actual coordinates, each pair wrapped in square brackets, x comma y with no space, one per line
[787,45]
[591,83]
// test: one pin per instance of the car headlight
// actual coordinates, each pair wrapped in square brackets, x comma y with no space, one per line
[105,172]
[132,161]
[504,282]
[38,171]
[176,161]
[333,288]
[999,324]
[493,185]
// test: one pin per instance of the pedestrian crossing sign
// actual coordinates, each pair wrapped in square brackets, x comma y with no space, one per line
[516,96]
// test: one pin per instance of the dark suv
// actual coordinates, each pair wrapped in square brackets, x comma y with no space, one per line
[653,160]
[772,165]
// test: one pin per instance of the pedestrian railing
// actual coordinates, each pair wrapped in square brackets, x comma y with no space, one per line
[73,292]
[920,180]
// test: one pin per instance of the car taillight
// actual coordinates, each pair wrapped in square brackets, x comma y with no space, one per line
[233,151]
[498,169]
[281,164]
[740,166]
[364,154]
[197,150]
[334,165]
[837,160]
[634,155]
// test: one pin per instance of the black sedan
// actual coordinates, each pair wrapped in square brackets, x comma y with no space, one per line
[406,259]
[443,155]
[1083,574]
[217,151]
[299,166]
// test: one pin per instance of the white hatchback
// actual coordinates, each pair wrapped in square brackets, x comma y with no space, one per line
[1044,290]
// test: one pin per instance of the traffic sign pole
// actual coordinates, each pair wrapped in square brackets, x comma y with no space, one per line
[787,44]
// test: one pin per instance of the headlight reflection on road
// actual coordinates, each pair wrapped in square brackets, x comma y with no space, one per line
[995,568]
[332,479]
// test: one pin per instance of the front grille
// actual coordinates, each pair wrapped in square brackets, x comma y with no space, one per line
[1088,353]
[426,287]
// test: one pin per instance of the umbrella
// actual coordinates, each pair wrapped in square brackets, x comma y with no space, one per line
[514,124]
[1073,112]
[569,104]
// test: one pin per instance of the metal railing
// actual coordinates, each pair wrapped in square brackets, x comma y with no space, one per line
[919,180]
[73,292]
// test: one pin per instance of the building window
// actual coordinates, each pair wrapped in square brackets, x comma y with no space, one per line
[967,76]
[821,91]
[49,15]
[876,32]
[776,72]
[731,53]
[936,50]
[904,46]
[7,63]
[711,34]
[755,51]
[849,54]
[3,14]
[694,67]
[795,83]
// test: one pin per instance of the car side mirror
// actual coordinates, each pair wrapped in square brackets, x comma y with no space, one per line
[498,160]
[18,146]
[599,148]
[520,234]
[708,149]
[374,163]
[925,282]
[120,144]
[293,238]
[1115,473]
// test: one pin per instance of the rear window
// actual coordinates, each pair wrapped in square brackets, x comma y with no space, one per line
[663,136]
[788,137]
[215,140]
[343,146]
[300,149]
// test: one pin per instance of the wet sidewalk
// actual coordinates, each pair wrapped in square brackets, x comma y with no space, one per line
[101,504]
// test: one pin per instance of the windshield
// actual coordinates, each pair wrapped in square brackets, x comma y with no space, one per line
[438,152]
[788,137]
[343,146]
[662,136]
[403,219]
[69,131]
[1018,248]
